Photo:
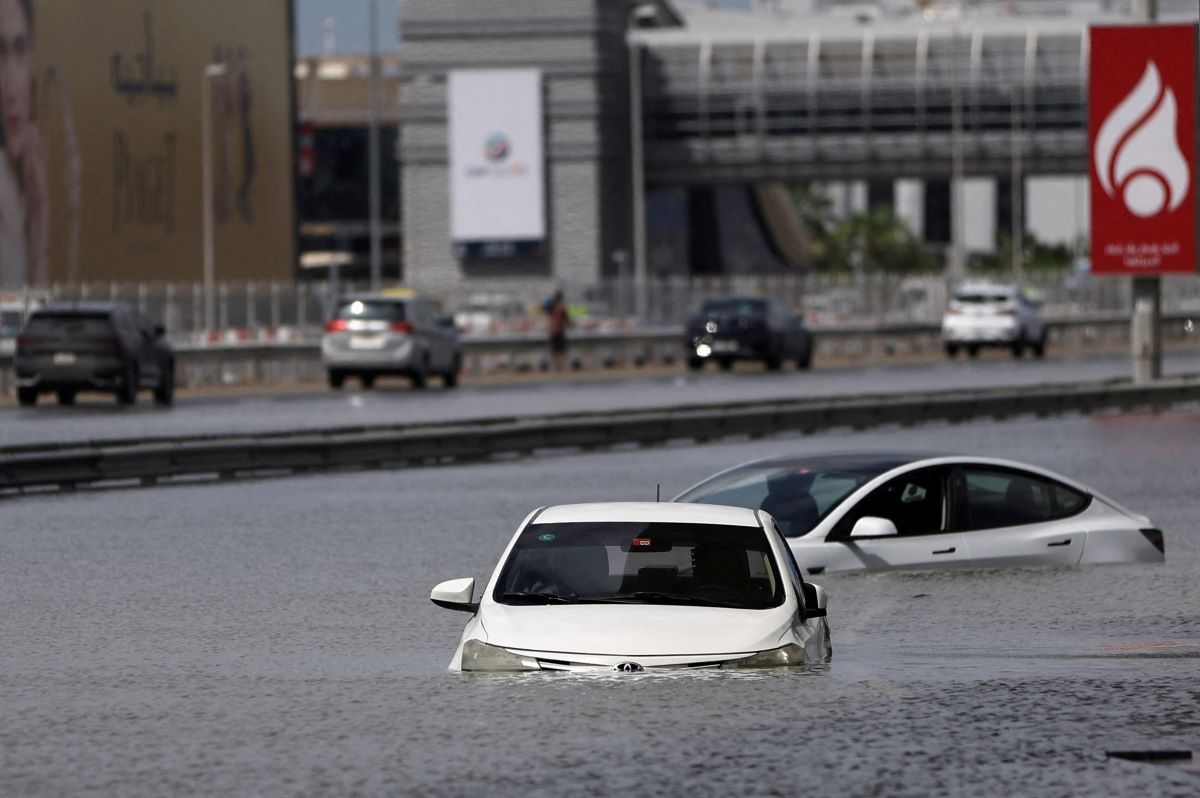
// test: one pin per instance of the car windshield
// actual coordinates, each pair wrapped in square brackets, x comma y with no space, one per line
[641,563]
[796,495]
[366,310]
[70,324]
[981,298]
[734,307]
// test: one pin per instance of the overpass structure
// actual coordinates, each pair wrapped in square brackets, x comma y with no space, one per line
[864,103]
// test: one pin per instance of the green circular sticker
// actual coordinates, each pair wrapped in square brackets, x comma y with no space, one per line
[546,538]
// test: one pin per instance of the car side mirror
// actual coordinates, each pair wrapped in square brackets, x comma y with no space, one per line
[159,331]
[815,601]
[871,527]
[455,595]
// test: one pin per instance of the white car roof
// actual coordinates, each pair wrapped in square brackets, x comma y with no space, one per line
[668,512]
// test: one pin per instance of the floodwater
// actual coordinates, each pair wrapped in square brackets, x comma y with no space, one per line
[275,638]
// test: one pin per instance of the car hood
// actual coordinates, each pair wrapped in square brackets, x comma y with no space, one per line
[629,630]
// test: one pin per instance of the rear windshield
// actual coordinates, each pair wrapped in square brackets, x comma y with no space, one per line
[641,563]
[979,298]
[734,307]
[70,324]
[367,310]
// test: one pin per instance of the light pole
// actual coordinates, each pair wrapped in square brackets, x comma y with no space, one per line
[1145,333]
[211,72]
[373,179]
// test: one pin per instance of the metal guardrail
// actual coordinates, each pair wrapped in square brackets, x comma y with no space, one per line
[274,362]
[150,462]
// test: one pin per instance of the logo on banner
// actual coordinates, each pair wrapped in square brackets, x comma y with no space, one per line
[496,148]
[1137,154]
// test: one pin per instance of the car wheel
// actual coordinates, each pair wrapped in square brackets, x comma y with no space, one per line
[772,362]
[367,380]
[164,393]
[127,390]
[972,350]
[725,364]
[695,364]
[804,362]
[450,378]
[1018,349]
[1039,349]
[27,396]
[336,378]
[951,351]
[420,375]
[66,396]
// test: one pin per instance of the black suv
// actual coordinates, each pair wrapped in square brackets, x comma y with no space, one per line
[93,346]
[746,328]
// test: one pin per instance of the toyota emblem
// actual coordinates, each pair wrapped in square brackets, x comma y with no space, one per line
[628,667]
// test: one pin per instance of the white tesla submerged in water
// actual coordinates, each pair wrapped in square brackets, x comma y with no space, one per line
[854,512]
[640,587]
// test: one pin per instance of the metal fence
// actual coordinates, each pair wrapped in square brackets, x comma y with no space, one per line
[268,311]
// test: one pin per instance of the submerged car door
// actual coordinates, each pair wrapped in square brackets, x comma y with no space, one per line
[916,503]
[1012,517]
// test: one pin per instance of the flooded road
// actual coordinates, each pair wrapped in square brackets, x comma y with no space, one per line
[276,638]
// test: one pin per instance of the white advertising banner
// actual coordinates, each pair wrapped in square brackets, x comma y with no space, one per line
[497,182]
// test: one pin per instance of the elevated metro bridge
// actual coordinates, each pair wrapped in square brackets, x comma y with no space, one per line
[862,103]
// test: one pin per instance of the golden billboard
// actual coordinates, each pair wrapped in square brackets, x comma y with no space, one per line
[101,115]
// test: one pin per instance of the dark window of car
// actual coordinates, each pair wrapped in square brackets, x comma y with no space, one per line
[370,310]
[10,322]
[72,325]
[645,563]
[988,498]
[741,308]
[797,495]
[914,502]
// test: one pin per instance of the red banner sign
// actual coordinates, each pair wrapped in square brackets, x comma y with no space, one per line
[1142,85]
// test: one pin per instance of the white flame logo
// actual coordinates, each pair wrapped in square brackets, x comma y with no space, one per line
[1137,156]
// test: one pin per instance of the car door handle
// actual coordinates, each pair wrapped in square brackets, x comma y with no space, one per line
[1066,542]
[944,551]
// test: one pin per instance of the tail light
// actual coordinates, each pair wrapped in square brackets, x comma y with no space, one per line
[953,310]
[1007,311]
[1155,536]
[401,327]
[337,325]
[27,340]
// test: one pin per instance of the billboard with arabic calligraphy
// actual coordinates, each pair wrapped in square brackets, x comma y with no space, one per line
[101,133]
[1144,149]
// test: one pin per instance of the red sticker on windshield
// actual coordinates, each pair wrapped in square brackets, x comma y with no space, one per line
[643,542]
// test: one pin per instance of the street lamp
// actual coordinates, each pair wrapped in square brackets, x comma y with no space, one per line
[211,72]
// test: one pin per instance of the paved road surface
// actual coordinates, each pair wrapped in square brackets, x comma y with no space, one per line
[394,403]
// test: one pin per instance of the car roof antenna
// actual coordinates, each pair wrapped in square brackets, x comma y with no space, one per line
[657,491]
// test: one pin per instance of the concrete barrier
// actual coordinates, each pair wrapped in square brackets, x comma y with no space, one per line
[121,463]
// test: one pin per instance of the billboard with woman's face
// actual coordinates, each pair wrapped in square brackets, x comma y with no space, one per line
[101,129]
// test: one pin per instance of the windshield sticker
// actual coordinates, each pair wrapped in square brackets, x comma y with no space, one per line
[546,538]
[912,493]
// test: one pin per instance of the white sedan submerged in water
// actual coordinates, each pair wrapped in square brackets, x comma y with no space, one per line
[854,512]
[640,587]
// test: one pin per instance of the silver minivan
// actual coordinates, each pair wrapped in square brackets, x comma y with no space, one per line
[372,335]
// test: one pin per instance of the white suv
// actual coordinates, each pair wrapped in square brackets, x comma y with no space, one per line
[986,314]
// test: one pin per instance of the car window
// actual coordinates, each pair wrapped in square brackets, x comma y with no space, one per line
[368,310]
[914,502]
[988,498]
[666,563]
[10,322]
[796,496]
[744,308]
[72,325]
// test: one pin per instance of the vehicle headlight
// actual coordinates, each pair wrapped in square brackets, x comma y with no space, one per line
[703,350]
[479,656]
[791,654]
